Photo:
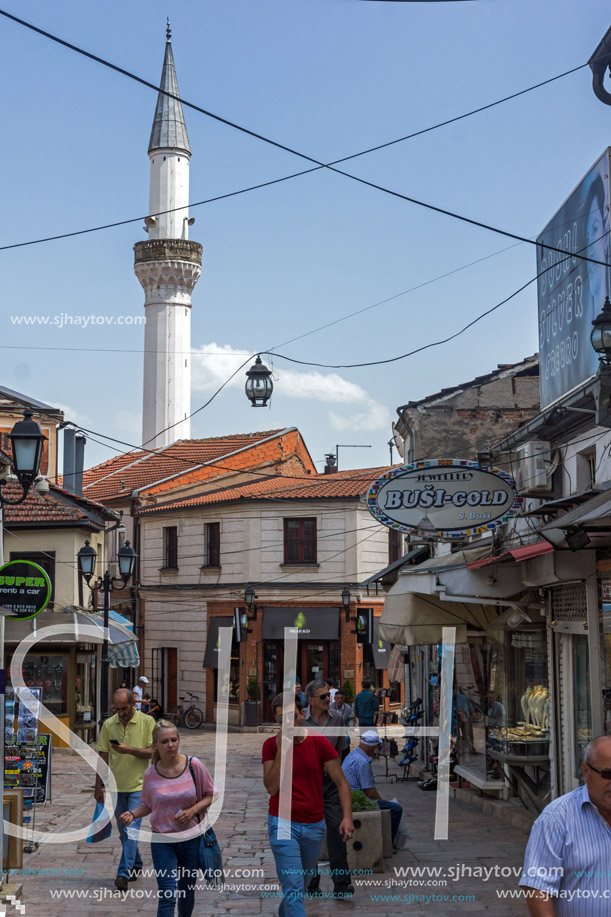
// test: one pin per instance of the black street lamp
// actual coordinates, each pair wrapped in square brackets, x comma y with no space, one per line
[259,385]
[600,336]
[346,602]
[86,563]
[251,607]
[27,441]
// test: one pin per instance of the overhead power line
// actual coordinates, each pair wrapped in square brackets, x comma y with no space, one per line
[317,163]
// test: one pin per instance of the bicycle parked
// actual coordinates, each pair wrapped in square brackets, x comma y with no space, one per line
[192,716]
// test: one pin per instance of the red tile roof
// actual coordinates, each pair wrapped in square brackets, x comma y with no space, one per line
[120,476]
[340,485]
[48,509]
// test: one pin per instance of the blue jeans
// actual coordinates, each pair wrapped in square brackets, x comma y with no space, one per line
[130,855]
[296,859]
[396,811]
[176,865]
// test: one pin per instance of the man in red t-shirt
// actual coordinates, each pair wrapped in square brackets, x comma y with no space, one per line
[296,842]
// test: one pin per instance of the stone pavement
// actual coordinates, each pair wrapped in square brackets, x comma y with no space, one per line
[77,879]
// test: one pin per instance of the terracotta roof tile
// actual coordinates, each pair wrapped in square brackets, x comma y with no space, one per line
[120,476]
[340,485]
[47,508]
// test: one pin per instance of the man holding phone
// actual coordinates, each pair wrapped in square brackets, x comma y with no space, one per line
[127,740]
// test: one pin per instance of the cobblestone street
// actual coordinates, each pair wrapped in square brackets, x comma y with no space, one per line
[475,839]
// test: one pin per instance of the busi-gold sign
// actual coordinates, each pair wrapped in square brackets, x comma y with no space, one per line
[443,498]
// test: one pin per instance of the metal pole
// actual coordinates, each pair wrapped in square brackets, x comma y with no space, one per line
[2,710]
[105,659]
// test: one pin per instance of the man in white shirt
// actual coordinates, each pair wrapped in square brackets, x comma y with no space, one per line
[138,689]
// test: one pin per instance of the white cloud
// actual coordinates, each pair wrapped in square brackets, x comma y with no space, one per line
[70,415]
[215,363]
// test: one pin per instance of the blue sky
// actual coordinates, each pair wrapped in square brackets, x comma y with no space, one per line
[329,78]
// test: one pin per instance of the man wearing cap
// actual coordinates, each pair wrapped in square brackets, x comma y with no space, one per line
[321,719]
[359,774]
[138,689]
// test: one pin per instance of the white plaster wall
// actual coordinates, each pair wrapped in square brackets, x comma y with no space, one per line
[167,374]
[179,621]
[169,188]
[351,545]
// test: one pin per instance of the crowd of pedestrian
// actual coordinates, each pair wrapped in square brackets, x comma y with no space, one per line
[312,747]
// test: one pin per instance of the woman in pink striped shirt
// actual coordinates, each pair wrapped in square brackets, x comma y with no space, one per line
[176,800]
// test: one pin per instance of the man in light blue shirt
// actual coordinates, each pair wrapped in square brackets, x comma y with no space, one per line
[359,774]
[567,865]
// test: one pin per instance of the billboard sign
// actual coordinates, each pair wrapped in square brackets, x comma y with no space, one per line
[444,498]
[25,588]
[571,292]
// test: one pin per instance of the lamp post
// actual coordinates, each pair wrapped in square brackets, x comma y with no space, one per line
[27,441]
[600,336]
[259,385]
[86,563]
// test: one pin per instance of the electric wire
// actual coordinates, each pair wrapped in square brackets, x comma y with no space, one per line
[319,165]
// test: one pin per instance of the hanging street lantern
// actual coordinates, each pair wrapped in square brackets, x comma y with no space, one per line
[600,336]
[259,385]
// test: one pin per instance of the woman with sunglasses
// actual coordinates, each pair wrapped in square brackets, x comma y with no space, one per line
[176,792]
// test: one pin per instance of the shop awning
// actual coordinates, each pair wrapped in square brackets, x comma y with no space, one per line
[381,649]
[124,655]
[310,623]
[519,553]
[211,656]
[120,619]
[411,618]
[593,516]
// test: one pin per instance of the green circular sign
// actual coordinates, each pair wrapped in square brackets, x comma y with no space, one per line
[25,589]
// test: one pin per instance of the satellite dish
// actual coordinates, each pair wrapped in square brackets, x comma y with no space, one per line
[399,444]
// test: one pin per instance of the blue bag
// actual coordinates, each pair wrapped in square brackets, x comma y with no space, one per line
[102,833]
[210,857]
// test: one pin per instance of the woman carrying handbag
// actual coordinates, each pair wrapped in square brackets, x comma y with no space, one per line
[176,792]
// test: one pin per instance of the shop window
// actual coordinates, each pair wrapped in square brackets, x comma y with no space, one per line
[49,673]
[234,674]
[212,544]
[44,559]
[300,541]
[170,546]
[395,545]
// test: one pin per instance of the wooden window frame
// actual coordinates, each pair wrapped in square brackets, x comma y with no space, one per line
[300,548]
[170,547]
[212,545]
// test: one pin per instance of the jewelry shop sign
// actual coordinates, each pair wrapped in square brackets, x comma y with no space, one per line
[25,588]
[443,498]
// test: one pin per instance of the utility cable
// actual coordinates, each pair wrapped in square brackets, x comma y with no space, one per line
[318,163]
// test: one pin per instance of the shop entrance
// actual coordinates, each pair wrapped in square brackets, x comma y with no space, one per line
[575,712]
[316,660]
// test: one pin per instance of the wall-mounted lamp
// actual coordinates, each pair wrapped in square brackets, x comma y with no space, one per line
[346,602]
[250,600]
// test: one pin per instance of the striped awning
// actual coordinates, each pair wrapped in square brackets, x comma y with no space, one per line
[124,655]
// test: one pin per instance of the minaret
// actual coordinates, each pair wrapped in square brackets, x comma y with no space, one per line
[168,267]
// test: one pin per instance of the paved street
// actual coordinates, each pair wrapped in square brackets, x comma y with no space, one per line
[476,840]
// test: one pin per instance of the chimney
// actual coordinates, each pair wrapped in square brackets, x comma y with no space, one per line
[79,464]
[69,456]
[331,463]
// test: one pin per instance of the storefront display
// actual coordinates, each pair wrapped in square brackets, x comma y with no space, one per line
[49,673]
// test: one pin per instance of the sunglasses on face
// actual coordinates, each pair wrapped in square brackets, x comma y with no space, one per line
[605,774]
[322,696]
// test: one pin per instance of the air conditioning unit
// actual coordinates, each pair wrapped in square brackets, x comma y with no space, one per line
[534,462]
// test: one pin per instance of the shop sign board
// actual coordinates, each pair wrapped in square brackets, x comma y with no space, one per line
[443,498]
[571,291]
[25,588]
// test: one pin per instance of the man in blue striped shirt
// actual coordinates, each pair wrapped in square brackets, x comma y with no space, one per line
[567,865]
[359,774]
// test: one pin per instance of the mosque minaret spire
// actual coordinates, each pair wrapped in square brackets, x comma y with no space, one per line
[168,266]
